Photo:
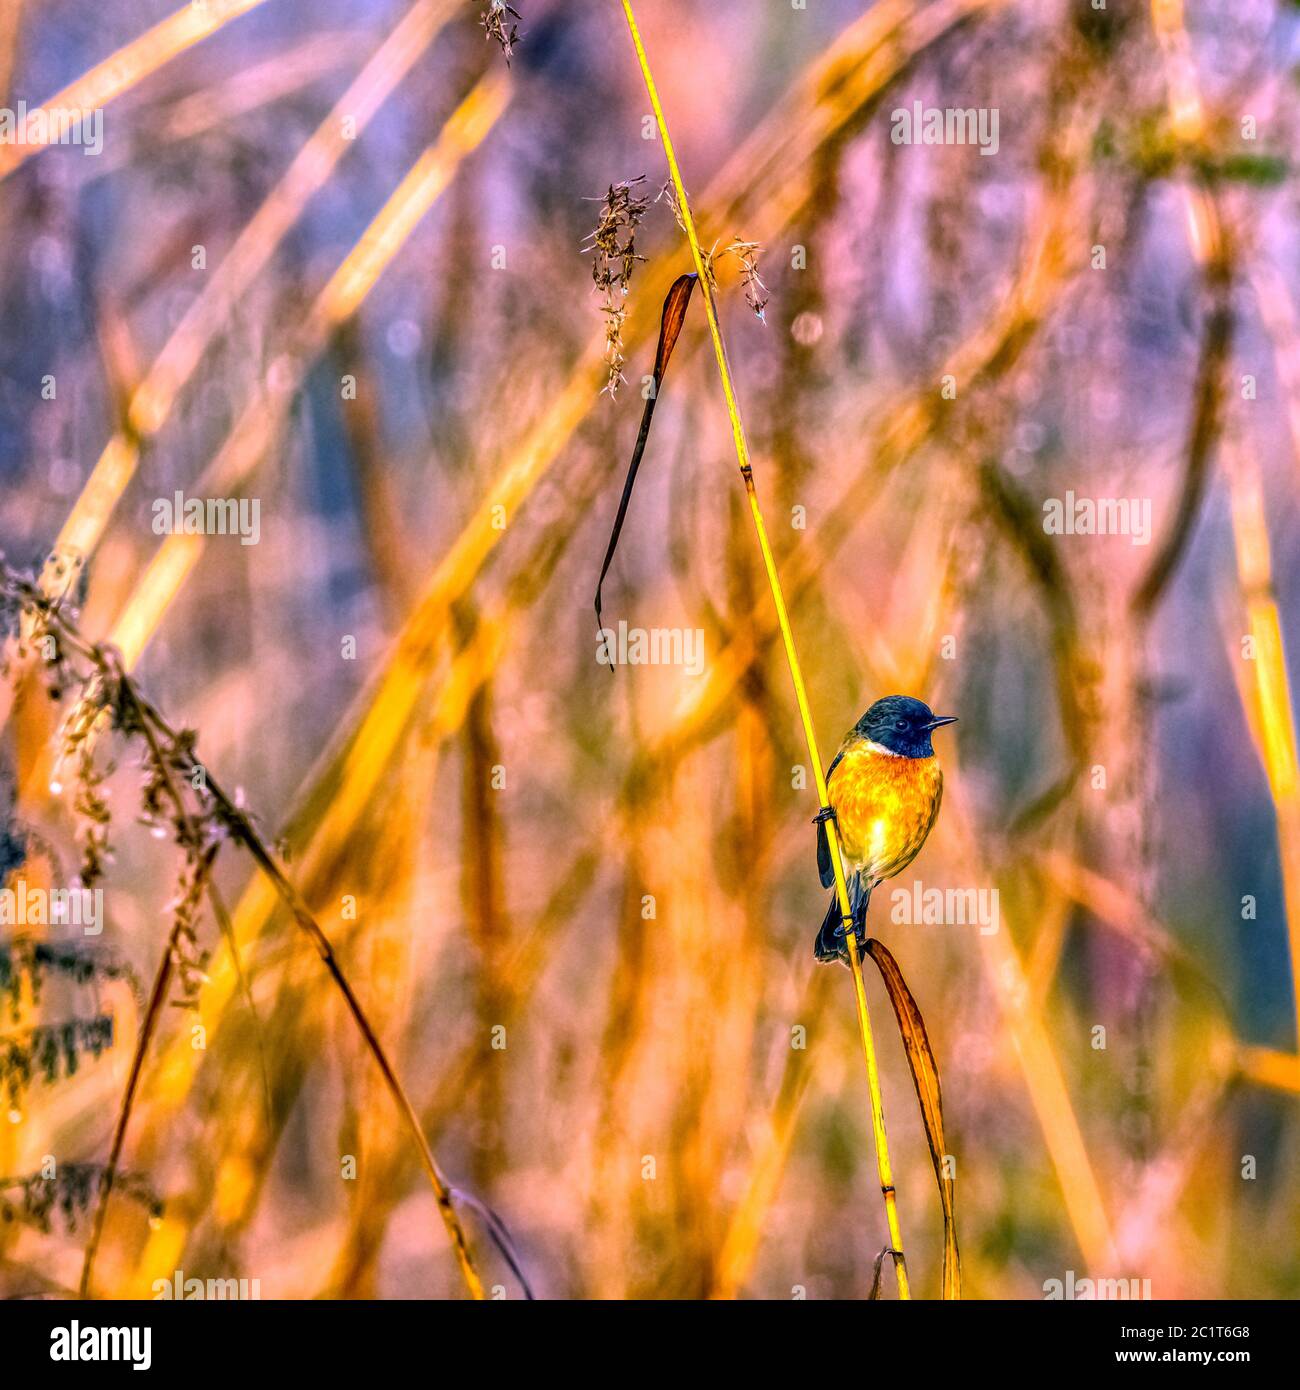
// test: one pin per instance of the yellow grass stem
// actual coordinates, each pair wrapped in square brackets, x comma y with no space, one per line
[1269,701]
[1032,1041]
[1266,1067]
[254,88]
[792,659]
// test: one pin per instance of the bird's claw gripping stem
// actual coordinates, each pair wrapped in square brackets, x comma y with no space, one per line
[828,813]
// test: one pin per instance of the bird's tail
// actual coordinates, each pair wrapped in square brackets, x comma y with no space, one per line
[830,944]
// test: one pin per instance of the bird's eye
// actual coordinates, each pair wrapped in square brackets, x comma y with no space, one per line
[900,724]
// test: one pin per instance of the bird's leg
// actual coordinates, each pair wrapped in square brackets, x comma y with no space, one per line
[859,918]
[828,813]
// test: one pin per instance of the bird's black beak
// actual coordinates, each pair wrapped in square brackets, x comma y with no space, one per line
[940,720]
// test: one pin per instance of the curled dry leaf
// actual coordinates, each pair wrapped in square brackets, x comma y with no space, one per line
[670,327]
[925,1076]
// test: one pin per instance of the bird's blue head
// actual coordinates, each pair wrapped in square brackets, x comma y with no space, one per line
[903,725]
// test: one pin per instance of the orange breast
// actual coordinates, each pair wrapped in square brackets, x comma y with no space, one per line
[885,806]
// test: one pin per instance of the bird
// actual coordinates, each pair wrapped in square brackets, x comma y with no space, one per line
[884,788]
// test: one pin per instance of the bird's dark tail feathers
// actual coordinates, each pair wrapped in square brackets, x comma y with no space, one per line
[830,943]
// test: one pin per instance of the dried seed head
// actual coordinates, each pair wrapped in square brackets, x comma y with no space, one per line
[36,1199]
[495,20]
[668,194]
[746,252]
[613,243]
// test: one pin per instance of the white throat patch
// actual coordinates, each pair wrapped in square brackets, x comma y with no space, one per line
[880,748]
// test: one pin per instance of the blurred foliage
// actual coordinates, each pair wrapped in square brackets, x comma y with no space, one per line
[579,910]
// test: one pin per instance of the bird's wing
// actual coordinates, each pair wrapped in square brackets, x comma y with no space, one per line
[823,845]
[938,798]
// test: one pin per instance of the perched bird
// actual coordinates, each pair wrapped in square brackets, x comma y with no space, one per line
[884,789]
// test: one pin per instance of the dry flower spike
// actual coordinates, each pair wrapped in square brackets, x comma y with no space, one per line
[614,246]
[746,252]
[496,22]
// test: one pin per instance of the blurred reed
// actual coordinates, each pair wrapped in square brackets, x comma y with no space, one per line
[628,1038]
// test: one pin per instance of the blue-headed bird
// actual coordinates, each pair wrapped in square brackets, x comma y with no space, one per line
[884,788]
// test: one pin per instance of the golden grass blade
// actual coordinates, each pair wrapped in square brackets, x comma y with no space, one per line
[131,64]
[1271,700]
[745,1229]
[1030,1037]
[520,977]
[153,400]
[283,75]
[465,130]
[683,205]
[1050,1098]
[925,1076]
[11,23]
[347,288]
[1266,1067]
